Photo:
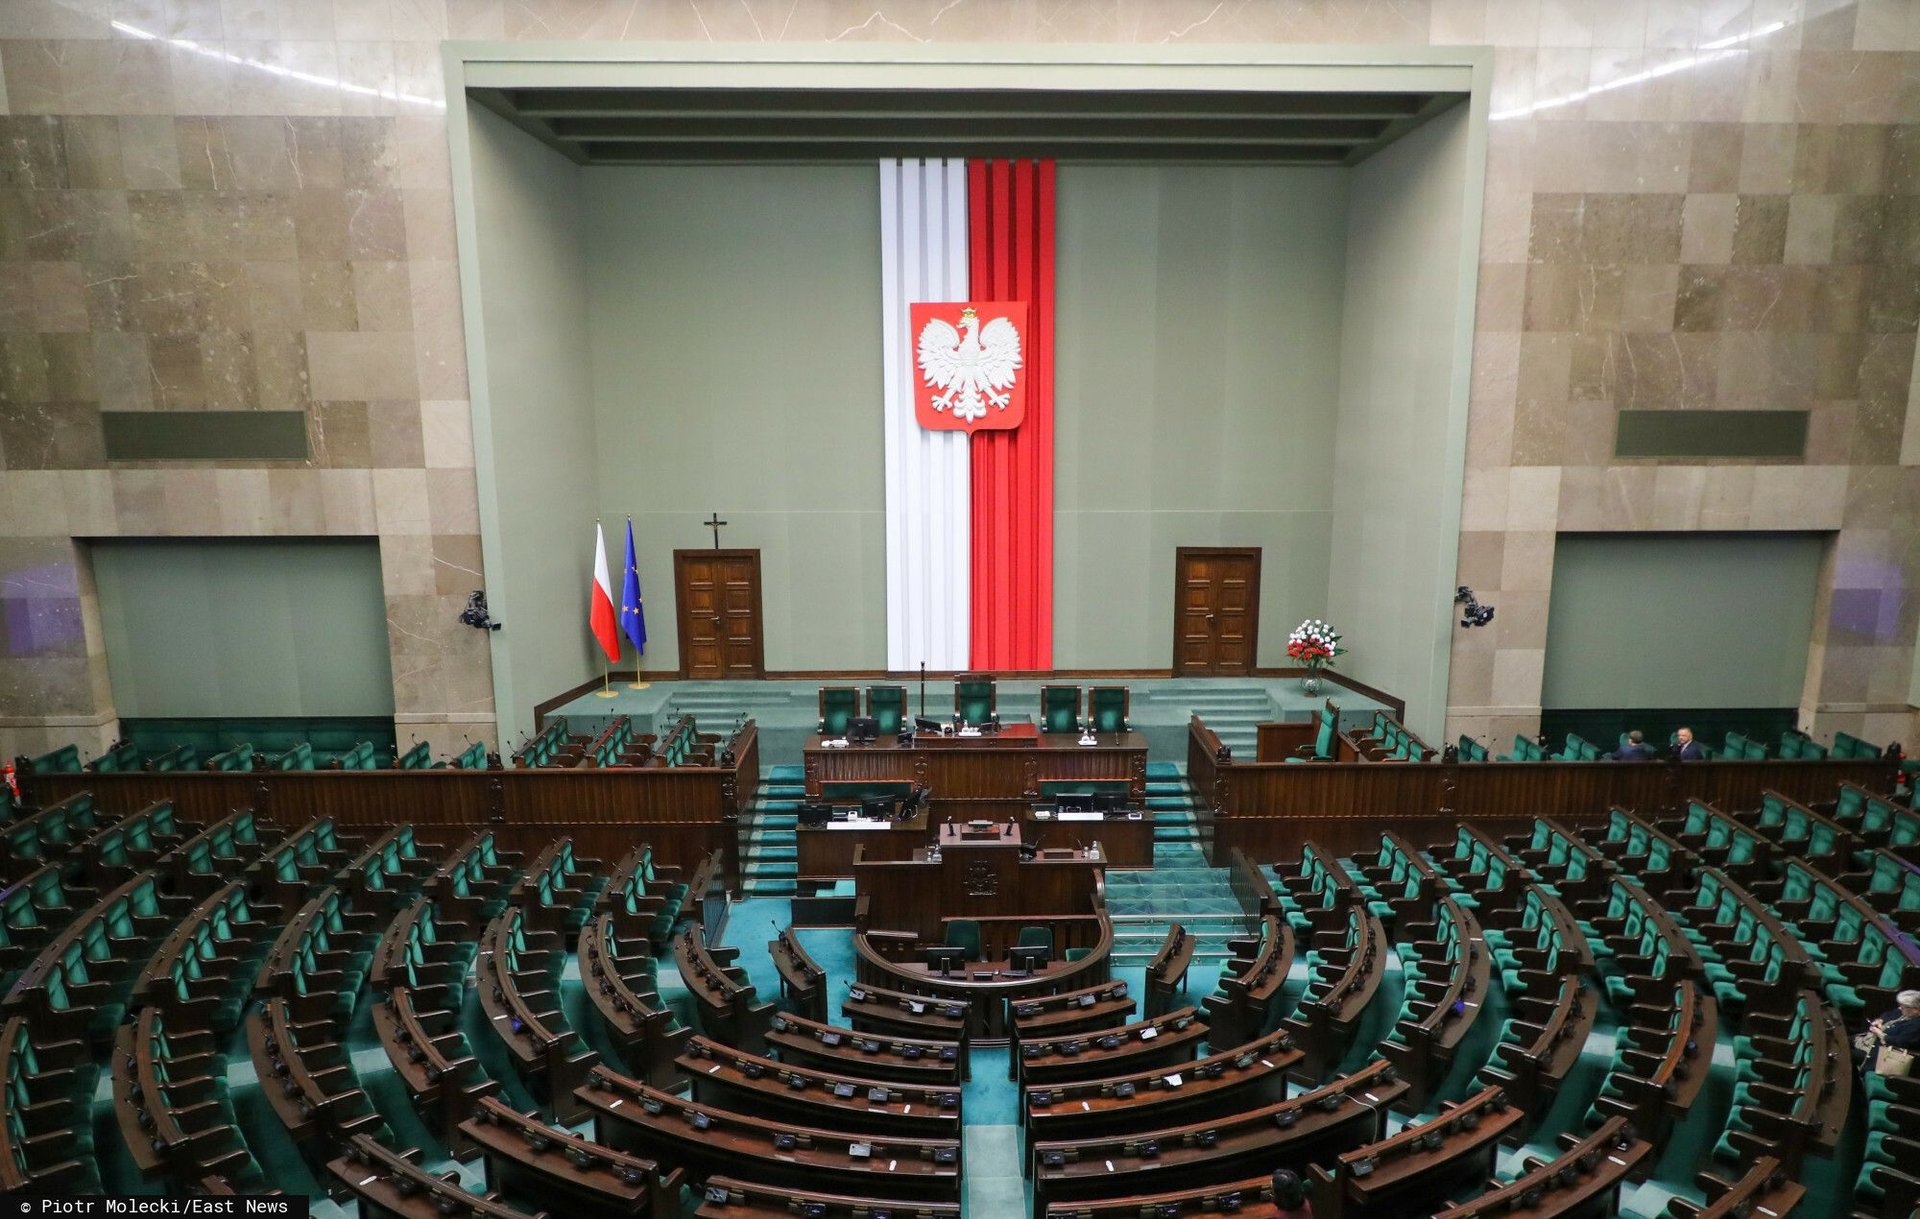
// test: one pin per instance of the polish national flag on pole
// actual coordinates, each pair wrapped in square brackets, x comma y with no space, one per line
[600,617]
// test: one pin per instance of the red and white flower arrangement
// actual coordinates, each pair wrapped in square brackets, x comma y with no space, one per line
[1314,644]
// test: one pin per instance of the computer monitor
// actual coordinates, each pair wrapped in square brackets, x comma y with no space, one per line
[1105,802]
[1075,802]
[1031,957]
[877,808]
[943,959]
[812,813]
[922,724]
[863,728]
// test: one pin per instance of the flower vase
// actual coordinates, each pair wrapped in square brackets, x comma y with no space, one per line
[1310,684]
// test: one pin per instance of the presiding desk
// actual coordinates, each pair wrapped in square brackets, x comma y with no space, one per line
[992,775]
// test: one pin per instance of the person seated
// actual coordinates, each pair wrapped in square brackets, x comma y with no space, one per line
[1290,1196]
[1898,1029]
[1634,748]
[1685,748]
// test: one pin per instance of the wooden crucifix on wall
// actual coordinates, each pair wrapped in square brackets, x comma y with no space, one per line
[714,522]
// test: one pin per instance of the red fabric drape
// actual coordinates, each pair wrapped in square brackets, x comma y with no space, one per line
[1010,239]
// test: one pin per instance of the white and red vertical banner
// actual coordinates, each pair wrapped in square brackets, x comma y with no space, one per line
[967,257]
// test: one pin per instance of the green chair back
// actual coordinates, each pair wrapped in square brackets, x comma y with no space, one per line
[1107,708]
[1059,708]
[838,707]
[888,707]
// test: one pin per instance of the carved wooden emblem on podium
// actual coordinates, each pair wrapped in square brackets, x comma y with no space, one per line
[982,879]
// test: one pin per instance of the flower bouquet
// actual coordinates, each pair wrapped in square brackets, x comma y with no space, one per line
[1314,644]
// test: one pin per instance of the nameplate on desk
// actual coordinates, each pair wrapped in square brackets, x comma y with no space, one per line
[1066,815]
[854,823]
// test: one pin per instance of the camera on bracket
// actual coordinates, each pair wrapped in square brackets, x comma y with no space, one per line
[1472,612]
[475,615]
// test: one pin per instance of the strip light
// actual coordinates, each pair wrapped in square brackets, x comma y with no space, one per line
[271,69]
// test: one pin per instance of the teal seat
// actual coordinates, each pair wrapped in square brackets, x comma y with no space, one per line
[964,933]
[1059,708]
[1109,708]
[888,707]
[838,707]
[1323,738]
[975,697]
[1036,937]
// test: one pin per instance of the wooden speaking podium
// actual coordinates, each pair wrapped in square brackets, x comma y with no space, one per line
[976,870]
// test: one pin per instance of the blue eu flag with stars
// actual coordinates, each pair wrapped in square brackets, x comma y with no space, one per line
[633,616]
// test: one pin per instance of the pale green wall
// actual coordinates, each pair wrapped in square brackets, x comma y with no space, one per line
[1680,620]
[736,362]
[539,400]
[1396,458]
[289,627]
[1196,387]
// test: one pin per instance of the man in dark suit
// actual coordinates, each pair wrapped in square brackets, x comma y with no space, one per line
[1685,748]
[1634,749]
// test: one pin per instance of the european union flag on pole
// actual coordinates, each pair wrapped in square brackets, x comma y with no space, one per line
[633,617]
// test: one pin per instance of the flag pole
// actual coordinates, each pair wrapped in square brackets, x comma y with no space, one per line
[639,682]
[606,665]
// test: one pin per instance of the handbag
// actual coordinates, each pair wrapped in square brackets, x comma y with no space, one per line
[1893,1061]
[1865,1042]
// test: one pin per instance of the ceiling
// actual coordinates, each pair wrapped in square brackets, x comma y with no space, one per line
[650,126]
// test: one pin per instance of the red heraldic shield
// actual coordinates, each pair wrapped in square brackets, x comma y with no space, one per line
[970,365]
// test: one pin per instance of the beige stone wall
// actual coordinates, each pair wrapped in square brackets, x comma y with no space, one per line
[246,204]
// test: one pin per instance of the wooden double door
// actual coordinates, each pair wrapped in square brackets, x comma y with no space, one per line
[718,594]
[1216,610]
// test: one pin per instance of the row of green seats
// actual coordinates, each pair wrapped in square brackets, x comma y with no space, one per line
[1795,1069]
[133,842]
[1746,958]
[1876,819]
[217,848]
[51,831]
[420,757]
[80,979]
[1470,750]
[239,757]
[64,760]
[186,1104]
[121,757]
[320,959]
[1577,749]
[1542,946]
[1798,746]
[33,909]
[1801,831]
[1525,749]
[50,1083]
[1850,747]
[544,749]
[1724,840]
[224,934]
[393,864]
[473,757]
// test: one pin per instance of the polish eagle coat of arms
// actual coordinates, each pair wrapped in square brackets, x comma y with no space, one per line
[969,365]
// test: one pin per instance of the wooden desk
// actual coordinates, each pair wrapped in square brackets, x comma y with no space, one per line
[986,776]
[976,875]
[826,852]
[892,960]
[1127,842]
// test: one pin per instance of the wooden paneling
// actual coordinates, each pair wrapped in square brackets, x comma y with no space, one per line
[1269,809]
[685,813]
[981,773]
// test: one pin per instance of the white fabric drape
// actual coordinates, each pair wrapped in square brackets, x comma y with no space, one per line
[923,257]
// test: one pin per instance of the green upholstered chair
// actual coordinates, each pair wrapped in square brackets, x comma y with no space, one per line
[1108,708]
[1059,708]
[1323,739]
[964,933]
[975,697]
[888,707]
[1036,937]
[838,706]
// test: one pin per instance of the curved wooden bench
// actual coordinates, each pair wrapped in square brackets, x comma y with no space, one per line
[828,1099]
